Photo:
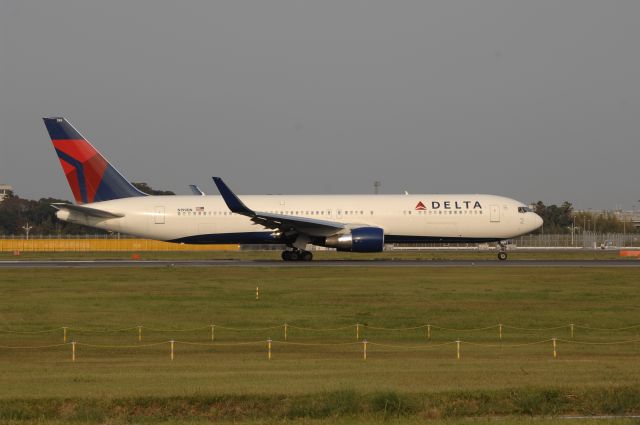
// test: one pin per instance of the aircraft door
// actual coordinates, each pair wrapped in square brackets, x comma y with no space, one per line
[495,213]
[158,215]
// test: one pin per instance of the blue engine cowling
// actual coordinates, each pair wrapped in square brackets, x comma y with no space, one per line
[361,239]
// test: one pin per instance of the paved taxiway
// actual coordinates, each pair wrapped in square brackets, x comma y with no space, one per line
[362,263]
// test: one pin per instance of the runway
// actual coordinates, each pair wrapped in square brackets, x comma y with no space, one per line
[315,264]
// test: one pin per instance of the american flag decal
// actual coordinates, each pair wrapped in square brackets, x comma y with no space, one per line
[199,208]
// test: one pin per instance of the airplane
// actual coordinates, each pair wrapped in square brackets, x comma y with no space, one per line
[354,223]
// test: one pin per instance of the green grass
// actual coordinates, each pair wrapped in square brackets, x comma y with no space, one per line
[344,404]
[510,420]
[317,382]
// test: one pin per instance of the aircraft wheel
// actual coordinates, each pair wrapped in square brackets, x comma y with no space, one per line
[294,255]
[307,256]
[286,255]
[502,256]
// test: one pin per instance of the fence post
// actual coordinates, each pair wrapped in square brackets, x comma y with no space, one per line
[357,331]
[285,331]
[555,353]
[269,349]
[257,293]
[429,332]
[64,334]
[500,331]
[172,342]
[364,349]
[213,332]
[139,333]
[73,351]
[458,349]
[572,331]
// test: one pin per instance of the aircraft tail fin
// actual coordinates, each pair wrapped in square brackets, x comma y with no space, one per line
[91,177]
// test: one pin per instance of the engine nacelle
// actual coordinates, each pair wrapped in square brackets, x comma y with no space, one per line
[362,239]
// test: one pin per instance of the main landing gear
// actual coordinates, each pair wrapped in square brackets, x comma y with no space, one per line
[297,255]
[502,253]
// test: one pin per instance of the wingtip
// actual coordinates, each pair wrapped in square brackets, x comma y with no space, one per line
[231,199]
[219,182]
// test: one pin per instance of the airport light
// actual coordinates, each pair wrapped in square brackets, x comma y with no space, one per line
[27,229]
[573,231]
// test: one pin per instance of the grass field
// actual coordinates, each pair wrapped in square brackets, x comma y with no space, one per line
[406,379]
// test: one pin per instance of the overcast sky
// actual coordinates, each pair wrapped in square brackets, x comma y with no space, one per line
[535,100]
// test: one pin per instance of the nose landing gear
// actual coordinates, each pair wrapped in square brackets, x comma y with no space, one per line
[297,255]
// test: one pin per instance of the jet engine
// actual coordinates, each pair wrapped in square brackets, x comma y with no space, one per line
[361,239]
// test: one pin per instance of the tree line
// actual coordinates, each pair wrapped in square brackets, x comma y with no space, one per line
[563,219]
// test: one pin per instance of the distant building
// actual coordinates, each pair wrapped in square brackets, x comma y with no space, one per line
[632,217]
[5,189]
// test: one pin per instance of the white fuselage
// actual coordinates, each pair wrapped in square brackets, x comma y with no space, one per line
[404,218]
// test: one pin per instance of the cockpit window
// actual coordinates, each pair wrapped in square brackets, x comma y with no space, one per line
[524,210]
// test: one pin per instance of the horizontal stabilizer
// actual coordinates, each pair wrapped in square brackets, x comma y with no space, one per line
[92,212]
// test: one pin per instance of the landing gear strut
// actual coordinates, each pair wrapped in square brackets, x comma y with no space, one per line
[297,255]
[502,254]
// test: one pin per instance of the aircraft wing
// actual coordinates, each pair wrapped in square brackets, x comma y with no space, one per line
[91,212]
[196,190]
[284,223]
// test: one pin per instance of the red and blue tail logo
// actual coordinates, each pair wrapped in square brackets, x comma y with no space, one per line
[91,177]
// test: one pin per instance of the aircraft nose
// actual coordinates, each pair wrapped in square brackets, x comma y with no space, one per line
[536,221]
